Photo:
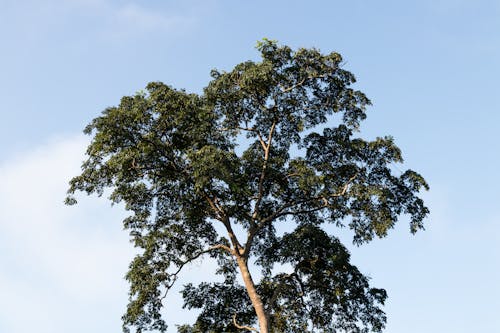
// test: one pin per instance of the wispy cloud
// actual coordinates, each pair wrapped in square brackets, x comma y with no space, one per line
[102,19]
[60,265]
[148,20]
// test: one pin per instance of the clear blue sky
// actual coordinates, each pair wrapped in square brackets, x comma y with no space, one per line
[431,68]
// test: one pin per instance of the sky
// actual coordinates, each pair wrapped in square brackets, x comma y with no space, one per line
[430,67]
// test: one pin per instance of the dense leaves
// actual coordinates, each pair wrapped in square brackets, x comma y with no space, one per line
[324,292]
[269,143]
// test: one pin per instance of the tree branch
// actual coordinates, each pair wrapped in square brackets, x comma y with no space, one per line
[197,255]
[243,327]
[346,186]
[190,259]
[285,90]
[219,213]
[237,248]
[259,136]
[249,129]
[267,149]
[281,211]
[222,216]
[253,227]
[279,288]
[298,84]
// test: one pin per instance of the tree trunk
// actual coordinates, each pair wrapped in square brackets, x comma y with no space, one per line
[254,296]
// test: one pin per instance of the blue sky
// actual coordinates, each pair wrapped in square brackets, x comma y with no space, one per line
[431,68]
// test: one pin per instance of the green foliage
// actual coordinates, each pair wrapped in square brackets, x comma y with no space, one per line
[180,164]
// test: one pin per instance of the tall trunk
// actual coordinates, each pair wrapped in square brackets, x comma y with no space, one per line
[262,316]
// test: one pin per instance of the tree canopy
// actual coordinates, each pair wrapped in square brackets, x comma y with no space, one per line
[249,173]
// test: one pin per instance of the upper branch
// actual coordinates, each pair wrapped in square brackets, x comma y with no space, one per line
[260,192]
[267,150]
[284,90]
[301,82]
[237,248]
[219,212]
[222,217]
[284,210]
[249,129]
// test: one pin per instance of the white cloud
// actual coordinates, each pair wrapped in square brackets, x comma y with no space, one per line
[61,266]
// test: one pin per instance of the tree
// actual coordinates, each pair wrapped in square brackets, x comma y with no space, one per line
[249,173]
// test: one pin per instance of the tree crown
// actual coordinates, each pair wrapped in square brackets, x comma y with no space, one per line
[265,143]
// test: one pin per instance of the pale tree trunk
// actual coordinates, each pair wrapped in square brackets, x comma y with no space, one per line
[262,316]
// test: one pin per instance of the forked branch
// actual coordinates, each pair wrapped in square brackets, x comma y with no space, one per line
[260,192]
[267,149]
[219,212]
[222,217]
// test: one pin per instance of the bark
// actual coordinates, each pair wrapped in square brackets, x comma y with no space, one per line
[262,316]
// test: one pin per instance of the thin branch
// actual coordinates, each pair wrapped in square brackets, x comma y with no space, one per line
[242,327]
[219,213]
[263,172]
[259,136]
[284,90]
[250,236]
[222,216]
[237,248]
[303,211]
[293,174]
[298,84]
[279,287]
[302,289]
[248,129]
[197,255]
[254,228]
[346,186]
[190,259]
[281,211]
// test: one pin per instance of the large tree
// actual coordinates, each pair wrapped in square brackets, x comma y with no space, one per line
[250,173]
